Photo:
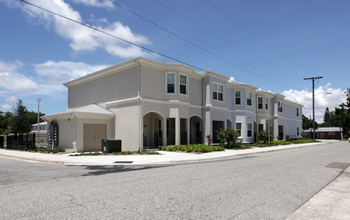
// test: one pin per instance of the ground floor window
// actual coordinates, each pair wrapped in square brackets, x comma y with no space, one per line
[239,128]
[249,129]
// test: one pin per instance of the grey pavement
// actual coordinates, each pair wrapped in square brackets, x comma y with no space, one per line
[331,202]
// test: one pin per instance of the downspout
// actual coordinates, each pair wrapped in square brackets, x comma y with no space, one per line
[203,111]
[139,104]
[75,135]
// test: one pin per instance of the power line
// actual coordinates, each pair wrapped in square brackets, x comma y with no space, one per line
[121,39]
[221,37]
[111,35]
[196,45]
[256,37]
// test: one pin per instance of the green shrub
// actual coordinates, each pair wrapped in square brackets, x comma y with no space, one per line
[263,136]
[228,138]
[199,148]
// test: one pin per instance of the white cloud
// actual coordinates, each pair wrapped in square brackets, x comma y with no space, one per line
[54,74]
[96,3]
[11,99]
[325,96]
[232,79]
[5,107]
[17,83]
[85,39]
[64,71]
[10,66]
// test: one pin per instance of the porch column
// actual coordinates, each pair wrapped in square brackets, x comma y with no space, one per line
[164,138]
[207,127]
[177,130]
[188,130]
[275,129]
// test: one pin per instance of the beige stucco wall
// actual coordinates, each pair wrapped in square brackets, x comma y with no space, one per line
[66,133]
[116,86]
[127,126]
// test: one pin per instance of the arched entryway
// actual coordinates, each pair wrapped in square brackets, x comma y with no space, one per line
[153,128]
[196,130]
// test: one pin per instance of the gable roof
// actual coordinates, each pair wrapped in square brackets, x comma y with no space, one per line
[84,111]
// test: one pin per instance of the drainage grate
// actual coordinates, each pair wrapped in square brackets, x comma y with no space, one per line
[338,165]
[124,161]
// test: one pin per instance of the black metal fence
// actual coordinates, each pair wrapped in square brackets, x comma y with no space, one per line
[2,141]
[18,141]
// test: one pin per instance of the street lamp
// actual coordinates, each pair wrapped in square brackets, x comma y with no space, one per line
[38,128]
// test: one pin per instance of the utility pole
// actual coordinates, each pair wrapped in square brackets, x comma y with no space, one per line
[38,128]
[313,102]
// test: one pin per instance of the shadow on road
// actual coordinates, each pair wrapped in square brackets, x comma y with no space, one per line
[102,170]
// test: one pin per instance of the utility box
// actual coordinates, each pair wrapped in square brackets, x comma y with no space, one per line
[110,146]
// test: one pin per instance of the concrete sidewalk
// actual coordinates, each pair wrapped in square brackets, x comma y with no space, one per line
[332,202]
[164,157]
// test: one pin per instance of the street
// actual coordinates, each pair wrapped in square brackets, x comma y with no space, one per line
[259,186]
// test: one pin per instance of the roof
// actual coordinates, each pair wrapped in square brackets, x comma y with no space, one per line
[41,123]
[88,110]
[325,129]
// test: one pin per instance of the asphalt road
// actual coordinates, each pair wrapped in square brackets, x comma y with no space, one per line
[261,186]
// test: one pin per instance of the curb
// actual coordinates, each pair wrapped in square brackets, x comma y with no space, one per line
[165,161]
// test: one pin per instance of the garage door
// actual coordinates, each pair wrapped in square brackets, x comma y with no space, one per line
[93,134]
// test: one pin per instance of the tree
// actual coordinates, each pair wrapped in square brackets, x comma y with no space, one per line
[5,118]
[343,116]
[307,123]
[20,122]
[326,117]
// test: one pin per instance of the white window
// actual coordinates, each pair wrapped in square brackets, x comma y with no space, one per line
[239,128]
[280,106]
[238,97]
[260,103]
[297,111]
[266,103]
[183,84]
[249,129]
[249,98]
[170,81]
[218,92]
[297,131]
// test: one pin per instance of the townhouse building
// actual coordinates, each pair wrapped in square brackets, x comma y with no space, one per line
[147,104]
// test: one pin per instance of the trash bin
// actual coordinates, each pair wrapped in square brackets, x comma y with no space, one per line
[110,146]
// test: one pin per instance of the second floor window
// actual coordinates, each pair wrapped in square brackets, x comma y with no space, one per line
[218,92]
[238,97]
[280,106]
[249,98]
[170,80]
[183,84]
[260,103]
[297,111]
[266,103]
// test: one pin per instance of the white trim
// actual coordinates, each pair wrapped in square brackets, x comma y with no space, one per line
[195,115]
[152,111]
[166,83]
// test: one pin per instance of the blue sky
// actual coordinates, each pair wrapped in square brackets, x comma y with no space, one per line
[270,44]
